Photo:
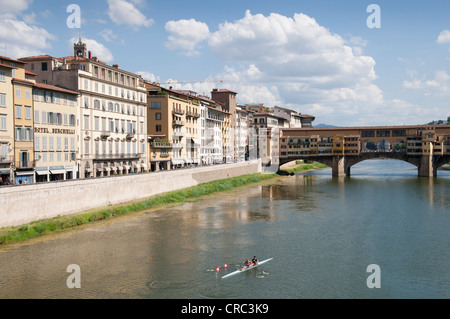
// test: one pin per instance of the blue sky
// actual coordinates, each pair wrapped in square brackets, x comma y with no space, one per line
[317,57]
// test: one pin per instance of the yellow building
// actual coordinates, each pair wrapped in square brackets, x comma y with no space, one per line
[55,133]
[24,160]
[6,121]
[173,128]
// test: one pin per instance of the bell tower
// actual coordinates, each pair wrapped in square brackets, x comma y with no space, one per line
[79,49]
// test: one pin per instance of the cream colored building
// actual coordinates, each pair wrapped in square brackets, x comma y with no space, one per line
[212,122]
[111,109]
[7,69]
[55,133]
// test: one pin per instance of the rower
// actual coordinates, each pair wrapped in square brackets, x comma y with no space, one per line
[254,260]
[247,264]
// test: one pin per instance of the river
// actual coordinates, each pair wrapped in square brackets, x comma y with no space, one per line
[322,233]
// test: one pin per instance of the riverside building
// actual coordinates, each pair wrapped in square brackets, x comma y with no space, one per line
[7,70]
[111,111]
[173,126]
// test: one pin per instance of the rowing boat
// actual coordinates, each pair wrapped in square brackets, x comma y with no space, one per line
[245,269]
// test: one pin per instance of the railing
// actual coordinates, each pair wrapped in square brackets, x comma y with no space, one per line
[26,164]
[193,114]
[179,123]
[177,134]
[161,145]
[178,111]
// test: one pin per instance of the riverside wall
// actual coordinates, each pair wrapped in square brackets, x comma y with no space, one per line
[26,203]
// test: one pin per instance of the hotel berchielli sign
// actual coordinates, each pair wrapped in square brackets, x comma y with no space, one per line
[53,130]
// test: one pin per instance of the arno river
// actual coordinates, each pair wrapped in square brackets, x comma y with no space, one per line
[322,232]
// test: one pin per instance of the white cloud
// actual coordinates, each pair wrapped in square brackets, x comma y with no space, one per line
[108,35]
[186,35]
[15,6]
[97,49]
[444,37]
[295,62]
[22,39]
[439,86]
[148,76]
[123,12]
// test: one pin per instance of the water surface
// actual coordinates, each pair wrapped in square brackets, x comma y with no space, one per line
[322,232]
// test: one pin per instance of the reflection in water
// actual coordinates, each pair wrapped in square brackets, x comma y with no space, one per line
[322,232]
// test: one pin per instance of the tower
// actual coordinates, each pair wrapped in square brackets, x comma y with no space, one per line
[79,49]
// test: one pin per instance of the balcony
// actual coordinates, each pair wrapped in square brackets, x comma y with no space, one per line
[105,134]
[26,164]
[177,134]
[178,123]
[178,111]
[130,134]
[160,145]
[193,114]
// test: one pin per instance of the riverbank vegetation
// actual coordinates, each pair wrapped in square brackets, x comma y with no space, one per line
[301,166]
[60,223]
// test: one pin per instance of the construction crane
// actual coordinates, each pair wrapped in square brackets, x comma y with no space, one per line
[189,81]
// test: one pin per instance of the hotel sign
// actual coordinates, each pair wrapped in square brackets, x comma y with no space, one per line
[53,130]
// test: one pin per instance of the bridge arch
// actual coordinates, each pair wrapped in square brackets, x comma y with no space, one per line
[340,165]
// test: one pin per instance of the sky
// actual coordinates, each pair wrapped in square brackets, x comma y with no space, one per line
[347,62]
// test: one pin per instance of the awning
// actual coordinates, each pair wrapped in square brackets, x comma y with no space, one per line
[43,172]
[137,166]
[178,115]
[127,167]
[57,171]
[120,168]
[24,173]
[108,169]
[5,171]
[114,168]
[195,141]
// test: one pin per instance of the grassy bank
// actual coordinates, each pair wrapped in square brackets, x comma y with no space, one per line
[60,223]
[300,166]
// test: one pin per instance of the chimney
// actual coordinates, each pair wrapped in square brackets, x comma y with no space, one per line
[90,55]
[115,66]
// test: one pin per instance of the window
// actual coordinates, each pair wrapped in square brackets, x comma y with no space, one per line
[51,143]
[44,66]
[44,143]
[2,75]
[158,128]
[86,122]
[36,143]
[3,122]
[2,99]
[28,95]
[155,105]
[72,120]
[28,112]
[157,116]
[18,92]
[36,116]
[18,111]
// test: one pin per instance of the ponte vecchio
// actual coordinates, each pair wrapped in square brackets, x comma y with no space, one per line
[425,146]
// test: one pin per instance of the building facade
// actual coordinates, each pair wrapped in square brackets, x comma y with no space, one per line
[55,133]
[111,109]
[6,121]
[173,127]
